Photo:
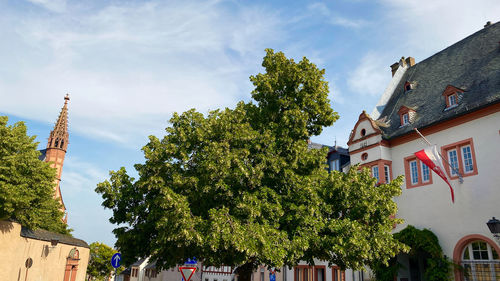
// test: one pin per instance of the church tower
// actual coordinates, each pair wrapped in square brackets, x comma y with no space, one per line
[56,149]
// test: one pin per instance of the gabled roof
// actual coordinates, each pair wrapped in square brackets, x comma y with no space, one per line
[151,265]
[472,64]
[44,235]
[139,262]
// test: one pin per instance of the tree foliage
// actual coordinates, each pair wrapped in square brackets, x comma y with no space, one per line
[423,244]
[241,186]
[26,183]
[100,267]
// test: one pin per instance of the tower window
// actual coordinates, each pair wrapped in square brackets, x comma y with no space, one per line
[56,144]
[62,143]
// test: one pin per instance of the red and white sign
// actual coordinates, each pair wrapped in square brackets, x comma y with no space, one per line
[431,158]
[187,272]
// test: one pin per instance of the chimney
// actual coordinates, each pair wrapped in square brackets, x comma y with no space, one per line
[410,61]
[394,68]
[402,62]
[488,23]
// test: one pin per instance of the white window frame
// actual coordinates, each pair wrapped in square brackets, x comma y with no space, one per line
[387,173]
[414,178]
[452,100]
[335,165]
[406,118]
[423,166]
[472,262]
[376,174]
[453,169]
[464,160]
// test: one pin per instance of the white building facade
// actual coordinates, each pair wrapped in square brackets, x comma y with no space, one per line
[453,99]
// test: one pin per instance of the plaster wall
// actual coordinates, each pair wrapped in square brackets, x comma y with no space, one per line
[476,200]
[374,153]
[173,274]
[49,262]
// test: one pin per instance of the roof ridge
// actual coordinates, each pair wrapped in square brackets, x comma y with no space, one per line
[484,29]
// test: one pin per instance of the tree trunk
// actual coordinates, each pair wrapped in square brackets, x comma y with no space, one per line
[245,271]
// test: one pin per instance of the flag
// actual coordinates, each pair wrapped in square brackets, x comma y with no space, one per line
[431,158]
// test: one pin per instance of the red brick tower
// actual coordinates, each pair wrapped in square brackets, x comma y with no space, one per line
[56,149]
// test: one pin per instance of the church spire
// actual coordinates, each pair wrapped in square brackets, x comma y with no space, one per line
[59,135]
[56,150]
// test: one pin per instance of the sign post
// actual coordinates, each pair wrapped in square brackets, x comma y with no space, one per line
[116,261]
[187,272]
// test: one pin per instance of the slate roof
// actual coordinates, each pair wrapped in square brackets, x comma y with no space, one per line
[151,265]
[138,263]
[313,145]
[472,64]
[43,153]
[45,235]
[339,150]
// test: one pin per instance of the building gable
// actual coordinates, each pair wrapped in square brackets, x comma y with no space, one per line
[364,130]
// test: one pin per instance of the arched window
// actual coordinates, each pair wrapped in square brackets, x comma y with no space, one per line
[62,143]
[56,144]
[480,262]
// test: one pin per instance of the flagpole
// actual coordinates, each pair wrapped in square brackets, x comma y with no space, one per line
[460,178]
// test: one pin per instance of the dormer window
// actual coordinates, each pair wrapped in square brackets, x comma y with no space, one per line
[408,86]
[452,96]
[406,115]
[406,119]
[452,100]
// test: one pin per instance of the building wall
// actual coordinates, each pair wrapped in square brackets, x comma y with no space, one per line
[173,274]
[430,206]
[476,200]
[49,262]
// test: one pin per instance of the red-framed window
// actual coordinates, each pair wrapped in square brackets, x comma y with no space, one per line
[450,95]
[408,86]
[405,115]
[303,273]
[462,157]
[416,172]
[337,274]
[319,273]
[380,169]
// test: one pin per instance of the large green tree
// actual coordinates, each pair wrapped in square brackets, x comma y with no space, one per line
[241,187]
[100,267]
[26,183]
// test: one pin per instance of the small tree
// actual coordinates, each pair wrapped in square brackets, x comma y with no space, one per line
[100,267]
[241,187]
[26,183]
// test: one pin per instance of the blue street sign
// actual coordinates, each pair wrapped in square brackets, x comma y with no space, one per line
[272,277]
[191,261]
[116,260]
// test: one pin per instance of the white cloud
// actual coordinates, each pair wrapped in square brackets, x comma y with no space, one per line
[128,67]
[367,78]
[85,214]
[332,18]
[51,5]
[417,28]
[428,26]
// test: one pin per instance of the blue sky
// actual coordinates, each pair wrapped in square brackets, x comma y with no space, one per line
[129,64]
